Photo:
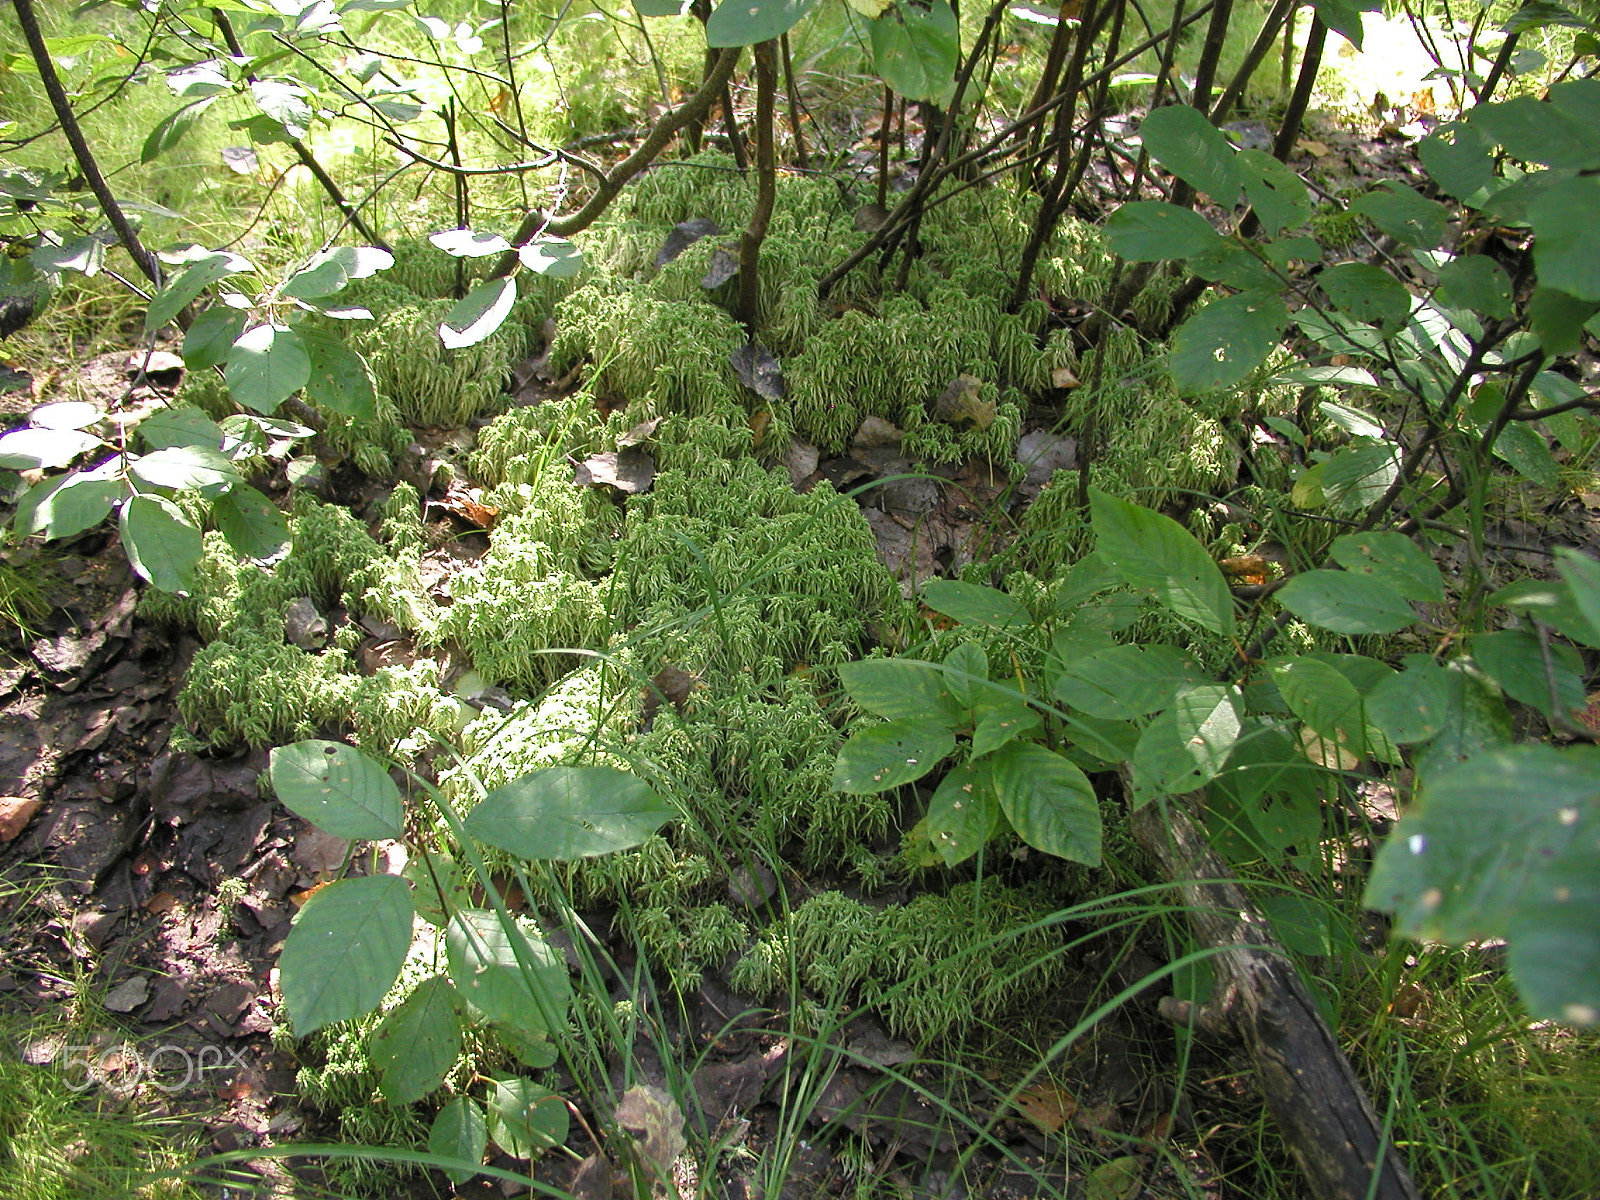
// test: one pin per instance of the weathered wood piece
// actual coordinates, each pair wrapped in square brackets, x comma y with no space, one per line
[1310,1089]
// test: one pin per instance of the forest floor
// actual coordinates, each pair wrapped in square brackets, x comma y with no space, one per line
[147,890]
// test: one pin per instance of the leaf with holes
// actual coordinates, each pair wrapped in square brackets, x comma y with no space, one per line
[1151,231]
[916,50]
[962,813]
[1226,340]
[337,788]
[345,950]
[889,755]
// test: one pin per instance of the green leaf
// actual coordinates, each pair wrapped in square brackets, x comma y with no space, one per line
[1582,577]
[484,965]
[340,379]
[1185,746]
[285,102]
[170,130]
[67,505]
[568,813]
[194,279]
[345,950]
[266,366]
[1395,559]
[1404,215]
[1537,131]
[889,755]
[1226,340]
[1566,248]
[1503,845]
[899,688]
[1230,263]
[181,426]
[339,789]
[1322,698]
[1529,454]
[974,604]
[916,50]
[962,814]
[1475,720]
[468,243]
[201,469]
[1049,802]
[1414,705]
[525,1119]
[460,1132]
[1548,678]
[1346,603]
[478,314]
[162,546]
[1367,293]
[1155,552]
[1475,282]
[417,1044]
[1557,319]
[1001,718]
[1459,157]
[661,8]
[30,449]
[1344,16]
[1194,150]
[253,525]
[551,256]
[1540,14]
[324,278]
[1126,681]
[1153,231]
[210,338]
[746,22]
[1278,195]
[966,677]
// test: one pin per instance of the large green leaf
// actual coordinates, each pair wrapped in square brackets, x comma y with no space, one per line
[487,974]
[1153,231]
[1126,681]
[966,677]
[746,22]
[1404,215]
[899,688]
[1538,131]
[266,366]
[339,789]
[891,754]
[460,1131]
[30,449]
[1393,558]
[915,50]
[162,546]
[1049,802]
[1558,319]
[1226,340]
[1000,718]
[1475,282]
[201,469]
[1153,551]
[1194,150]
[187,285]
[1582,592]
[252,524]
[417,1044]
[1566,246]
[183,426]
[1414,705]
[67,504]
[345,950]
[567,813]
[526,1119]
[479,313]
[1367,293]
[1546,677]
[974,604]
[1185,746]
[209,339]
[1503,845]
[962,814]
[1322,698]
[1346,602]
[1344,16]
[1459,157]
[1278,195]
[340,379]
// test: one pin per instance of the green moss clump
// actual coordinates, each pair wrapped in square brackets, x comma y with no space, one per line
[933,967]
[519,446]
[431,386]
[374,445]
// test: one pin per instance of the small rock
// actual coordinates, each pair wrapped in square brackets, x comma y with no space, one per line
[128,995]
[15,813]
[161,362]
[304,626]
[802,461]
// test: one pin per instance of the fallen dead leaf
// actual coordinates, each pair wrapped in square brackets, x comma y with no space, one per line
[1314,148]
[630,471]
[15,813]
[1047,1106]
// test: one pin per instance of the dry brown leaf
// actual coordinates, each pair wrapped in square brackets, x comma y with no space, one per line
[1314,148]
[1047,1106]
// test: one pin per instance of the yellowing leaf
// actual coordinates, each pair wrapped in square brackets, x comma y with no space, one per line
[871,9]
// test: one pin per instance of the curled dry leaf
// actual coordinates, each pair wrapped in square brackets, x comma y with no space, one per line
[655,1118]
[630,471]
